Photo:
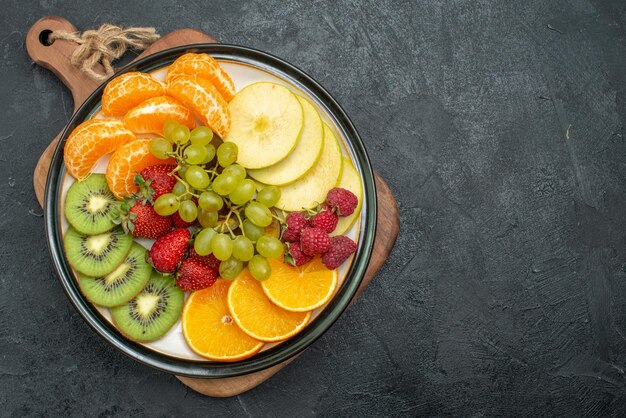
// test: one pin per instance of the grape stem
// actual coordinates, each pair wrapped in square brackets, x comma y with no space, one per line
[187,191]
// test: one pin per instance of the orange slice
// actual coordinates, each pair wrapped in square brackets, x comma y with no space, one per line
[210,330]
[91,140]
[150,115]
[204,66]
[202,97]
[127,91]
[257,316]
[300,289]
[127,161]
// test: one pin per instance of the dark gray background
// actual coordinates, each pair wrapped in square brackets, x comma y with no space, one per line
[506,292]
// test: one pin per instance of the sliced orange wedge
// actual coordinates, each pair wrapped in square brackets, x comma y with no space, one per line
[149,116]
[300,289]
[257,316]
[210,330]
[127,91]
[204,66]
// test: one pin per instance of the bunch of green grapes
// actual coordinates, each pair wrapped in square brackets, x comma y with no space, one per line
[229,209]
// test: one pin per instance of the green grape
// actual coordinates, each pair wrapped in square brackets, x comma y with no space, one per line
[182,171]
[180,135]
[258,214]
[222,246]
[243,192]
[179,188]
[230,268]
[237,170]
[202,243]
[166,204]
[195,154]
[269,247]
[242,248]
[159,147]
[268,196]
[201,135]
[188,211]
[259,268]
[210,154]
[168,129]
[252,231]
[225,183]
[227,154]
[197,177]
[210,201]
[207,218]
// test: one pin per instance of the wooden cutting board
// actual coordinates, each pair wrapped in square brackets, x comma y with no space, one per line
[56,58]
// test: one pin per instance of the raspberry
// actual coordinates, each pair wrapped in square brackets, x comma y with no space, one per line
[325,219]
[342,200]
[295,256]
[340,250]
[296,222]
[314,241]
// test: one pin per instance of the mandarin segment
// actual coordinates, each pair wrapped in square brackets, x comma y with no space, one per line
[90,141]
[127,91]
[126,162]
[202,97]
[149,116]
[210,330]
[257,316]
[204,66]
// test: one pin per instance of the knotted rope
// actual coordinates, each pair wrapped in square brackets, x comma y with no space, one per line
[104,45]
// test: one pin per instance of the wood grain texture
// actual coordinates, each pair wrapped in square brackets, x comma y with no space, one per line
[56,58]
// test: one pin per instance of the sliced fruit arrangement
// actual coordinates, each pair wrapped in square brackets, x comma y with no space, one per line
[244,197]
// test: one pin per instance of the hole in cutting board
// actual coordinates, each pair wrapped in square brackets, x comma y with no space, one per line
[44,37]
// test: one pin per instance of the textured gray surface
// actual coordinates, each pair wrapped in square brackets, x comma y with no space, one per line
[506,293]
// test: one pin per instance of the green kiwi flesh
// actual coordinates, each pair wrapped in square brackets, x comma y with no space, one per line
[122,284]
[90,207]
[96,255]
[150,314]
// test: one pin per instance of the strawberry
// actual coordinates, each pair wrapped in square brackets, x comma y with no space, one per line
[210,260]
[195,275]
[295,256]
[296,222]
[141,220]
[178,221]
[341,248]
[168,251]
[325,219]
[342,200]
[314,241]
[155,181]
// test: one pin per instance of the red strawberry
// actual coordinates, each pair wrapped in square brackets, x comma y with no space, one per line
[342,200]
[314,241]
[147,223]
[168,251]
[195,275]
[210,260]
[325,219]
[155,181]
[295,256]
[296,222]
[340,250]
[178,221]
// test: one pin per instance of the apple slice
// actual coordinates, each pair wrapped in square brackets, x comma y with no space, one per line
[265,123]
[304,156]
[311,190]
[349,180]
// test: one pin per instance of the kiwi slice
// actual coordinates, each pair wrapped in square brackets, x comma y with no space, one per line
[90,207]
[151,313]
[122,284]
[96,255]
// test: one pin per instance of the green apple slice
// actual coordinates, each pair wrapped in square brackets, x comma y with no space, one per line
[304,156]
[311,190]
[350,180]
[265,123]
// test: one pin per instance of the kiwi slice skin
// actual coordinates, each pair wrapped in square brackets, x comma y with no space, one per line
[96,255]
[90,207]
[122,284]
[150,314]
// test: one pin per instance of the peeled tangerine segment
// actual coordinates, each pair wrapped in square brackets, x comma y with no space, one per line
[210,330]
[90,205]
[96,255]
[149,116]
[128,90]
[303,157]
[266,121]
[204,66]
[311,190]
[350,180]
[91,140]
